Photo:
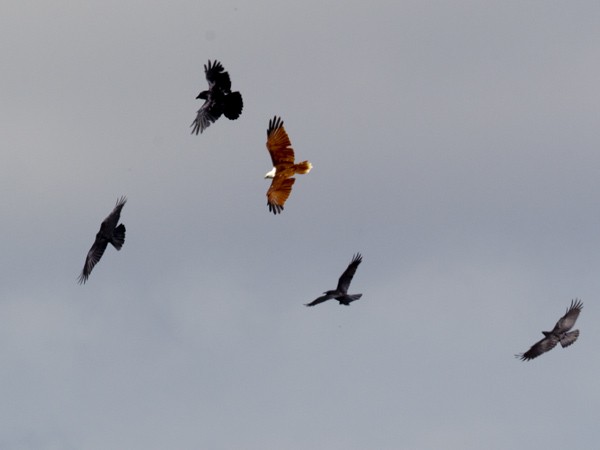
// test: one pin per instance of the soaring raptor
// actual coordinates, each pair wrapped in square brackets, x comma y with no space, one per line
[109,232]
[282,155]
[341,292]
[560,333]
[218,99]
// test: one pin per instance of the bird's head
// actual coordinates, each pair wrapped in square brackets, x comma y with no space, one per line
[203,95]
[271,173]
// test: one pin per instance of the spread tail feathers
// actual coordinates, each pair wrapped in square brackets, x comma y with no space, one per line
[118,238]
[233,105]
[569,338]
[303,167]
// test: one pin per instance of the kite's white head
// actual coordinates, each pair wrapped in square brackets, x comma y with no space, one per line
[271,173]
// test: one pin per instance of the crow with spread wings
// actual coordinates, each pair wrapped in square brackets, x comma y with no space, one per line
[282,155]
[341,293]
[109,232]
[218,99]
[560,333]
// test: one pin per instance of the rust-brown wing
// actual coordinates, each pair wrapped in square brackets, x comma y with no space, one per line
[278,192]
[278,144]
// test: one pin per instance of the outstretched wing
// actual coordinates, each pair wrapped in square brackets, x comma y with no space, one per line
[546,344]
[278,192]
[92,258]
[217,77]
[346,278]
[566,322]
[210,111]
[321,299]
[111,221]
[278,144]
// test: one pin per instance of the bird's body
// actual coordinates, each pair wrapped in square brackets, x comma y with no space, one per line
[218,99]
[284,168]
[559,334]
[341,292]
[109,232]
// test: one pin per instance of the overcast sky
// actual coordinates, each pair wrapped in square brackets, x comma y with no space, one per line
[455,145]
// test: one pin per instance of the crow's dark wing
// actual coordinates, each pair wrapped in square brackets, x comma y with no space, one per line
[346,278]
[217,77]
[546,344]
[208,113]
[92,258]
[566,322]
[321,299]
[111,221]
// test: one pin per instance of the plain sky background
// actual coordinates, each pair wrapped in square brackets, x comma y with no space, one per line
[455,145]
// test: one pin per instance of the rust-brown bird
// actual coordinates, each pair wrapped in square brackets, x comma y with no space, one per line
[109,232]
[560,333]
[284,168]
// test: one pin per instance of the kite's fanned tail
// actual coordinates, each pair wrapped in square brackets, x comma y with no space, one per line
[303,167]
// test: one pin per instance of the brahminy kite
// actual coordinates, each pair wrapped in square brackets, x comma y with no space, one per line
[282,155]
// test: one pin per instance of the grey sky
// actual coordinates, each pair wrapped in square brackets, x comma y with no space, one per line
[455,145]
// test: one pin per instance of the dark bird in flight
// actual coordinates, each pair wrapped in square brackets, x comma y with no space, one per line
[560,333]
[282,155]
[341,292]
[218,99]
[109,232]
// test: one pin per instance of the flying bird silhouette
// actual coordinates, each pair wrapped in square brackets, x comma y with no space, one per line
[218,99]
[341,292]
[109,232]
[282,155]
[560,333]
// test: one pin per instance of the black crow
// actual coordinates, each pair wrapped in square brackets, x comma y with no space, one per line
[341,293]
[218,99]
[109,232]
